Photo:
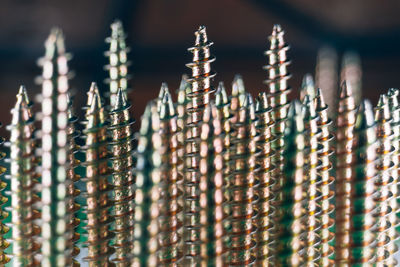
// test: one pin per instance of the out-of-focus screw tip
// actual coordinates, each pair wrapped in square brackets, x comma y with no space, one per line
[382,100]
[393,92]
[345,90]
[365,115]
[167,106]
[276,29]
[319,100]
[221,97]
[163,89]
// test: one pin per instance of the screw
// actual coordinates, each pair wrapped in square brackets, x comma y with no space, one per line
[195,232]
[362,223]
[313,193]
[265,224]
[307,87]
[327,181]
[344,161]
[56,232]
[118,62]
[23,180]
[170,238]
[148,177]
[244,199]
[289,225]
[386,203]
[98,227]
[123,179]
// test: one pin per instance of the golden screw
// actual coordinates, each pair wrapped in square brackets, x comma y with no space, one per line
[386,203]
[313,193]
[98,227]
[23,181]
[123,179]
[170,238]
[345,122]
[148,178]
[244,199]
[56,231]
[289,225]
[362,204]
[195,217]
[327,181]
[118,62]
[265,224]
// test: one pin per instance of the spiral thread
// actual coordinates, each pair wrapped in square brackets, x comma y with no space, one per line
[56,232]
[195,216]
[123,179]
[311,205]
[289,242]
[243,185]
[278,91]
[171,219]
[326,181]
[73,178]
[385,202]
[23,178]
[98,189]
[362,223]
[265,240]
[118,63]
[394,107]
[346,120]
[148,178]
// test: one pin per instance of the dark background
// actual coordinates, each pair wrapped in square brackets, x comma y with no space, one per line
[160,31]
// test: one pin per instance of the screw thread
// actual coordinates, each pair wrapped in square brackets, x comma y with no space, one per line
[278,91]
[23,182]
[123,179]
[385,202]
[265,224]
[244,198]
[56,232]
[312,208]
[98,189]
[117,66]
[344,161]
[170,238]
[195,215]
[289,225]
[148,177]
[362,223]
[327,181]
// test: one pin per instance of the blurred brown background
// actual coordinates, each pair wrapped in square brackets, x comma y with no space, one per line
[160,31]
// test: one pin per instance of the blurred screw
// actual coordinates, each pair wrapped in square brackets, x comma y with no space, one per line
[148,177]
[362,223]
[118,63]
[98,189]
[123,179]
[289,224]
[244,199]
[307,87]
[346,119]
[265,238]
[195,220]
[327,181]
[56,231]
[25,231]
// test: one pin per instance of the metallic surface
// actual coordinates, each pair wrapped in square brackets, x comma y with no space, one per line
[326,181]
[56,233]
[98,189]
[346,119]
[171,205]
[117,67]
[25,231]
[123,179]
[195,233]
[265,238]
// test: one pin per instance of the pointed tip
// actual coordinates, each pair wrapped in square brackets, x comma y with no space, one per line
[307,86]
[239,83]
[308,108]
[365,116]
[96,103]
[167,109]
[221,97]
[201,36]
[184,82]
[345,90]
[319,100]
[55,42]
[295,118]
[24,94]
[276,29]
[93,90]
[382,100]
[163,90]
[393,92]
[121,101]
[262,101]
